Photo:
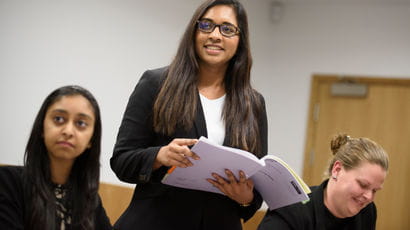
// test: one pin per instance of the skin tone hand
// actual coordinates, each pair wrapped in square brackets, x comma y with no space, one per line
[176,153]
[239,190]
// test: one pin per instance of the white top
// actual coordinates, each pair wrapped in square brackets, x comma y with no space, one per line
[215,125]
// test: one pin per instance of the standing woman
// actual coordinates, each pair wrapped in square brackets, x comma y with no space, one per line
[57,187]
[205,91]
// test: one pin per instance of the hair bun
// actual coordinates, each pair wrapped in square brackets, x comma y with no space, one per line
[338,141]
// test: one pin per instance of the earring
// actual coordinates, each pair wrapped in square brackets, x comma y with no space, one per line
[334,177]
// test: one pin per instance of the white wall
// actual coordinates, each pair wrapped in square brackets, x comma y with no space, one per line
[106,45]
[102,45]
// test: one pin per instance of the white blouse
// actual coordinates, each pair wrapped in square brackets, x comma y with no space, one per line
[215,125]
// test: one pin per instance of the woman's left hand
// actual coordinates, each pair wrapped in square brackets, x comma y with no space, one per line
[239,190]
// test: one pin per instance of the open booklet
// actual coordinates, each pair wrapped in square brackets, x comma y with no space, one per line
[278,184]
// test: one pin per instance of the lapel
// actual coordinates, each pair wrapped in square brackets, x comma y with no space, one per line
[199,123]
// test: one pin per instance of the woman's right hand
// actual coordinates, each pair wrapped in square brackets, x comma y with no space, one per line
[176,153]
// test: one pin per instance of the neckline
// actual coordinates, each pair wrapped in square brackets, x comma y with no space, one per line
[215,99]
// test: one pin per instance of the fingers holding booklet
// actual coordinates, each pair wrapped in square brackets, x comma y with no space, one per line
[277,183]
[176,153]
[240,190]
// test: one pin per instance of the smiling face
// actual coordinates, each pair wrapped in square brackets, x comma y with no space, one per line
[353,189]
[214,49]
[68,128]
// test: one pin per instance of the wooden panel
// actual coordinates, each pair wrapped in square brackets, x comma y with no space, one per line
[252,224]
[115,199]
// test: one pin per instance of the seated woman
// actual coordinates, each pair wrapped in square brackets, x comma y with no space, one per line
[345,201]
[58,184]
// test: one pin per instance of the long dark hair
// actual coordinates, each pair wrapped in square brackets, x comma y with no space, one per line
[177,100]
[84,177]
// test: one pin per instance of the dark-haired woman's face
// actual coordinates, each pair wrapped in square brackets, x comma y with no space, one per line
[214,49]
[68,128]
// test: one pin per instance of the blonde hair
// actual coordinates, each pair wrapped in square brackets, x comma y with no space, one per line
[351,152]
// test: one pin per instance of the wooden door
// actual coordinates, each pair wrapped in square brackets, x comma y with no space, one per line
[382,115]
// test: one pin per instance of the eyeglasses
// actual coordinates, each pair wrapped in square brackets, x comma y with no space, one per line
[226,29]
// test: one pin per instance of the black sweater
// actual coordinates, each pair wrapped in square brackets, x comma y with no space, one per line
[314,215]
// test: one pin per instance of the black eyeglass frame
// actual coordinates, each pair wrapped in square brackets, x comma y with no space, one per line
[214,25]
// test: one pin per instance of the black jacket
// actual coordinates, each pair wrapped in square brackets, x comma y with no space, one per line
[314,215]
[155,205]
[13,203]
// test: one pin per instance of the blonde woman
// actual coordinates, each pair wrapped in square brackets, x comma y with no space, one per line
[345,200]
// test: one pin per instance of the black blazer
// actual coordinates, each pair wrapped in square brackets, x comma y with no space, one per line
[14,203]
[155,205]
[315,216]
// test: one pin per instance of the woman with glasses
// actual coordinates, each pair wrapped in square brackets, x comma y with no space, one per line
[344,200]
[205,91]
[57,188]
